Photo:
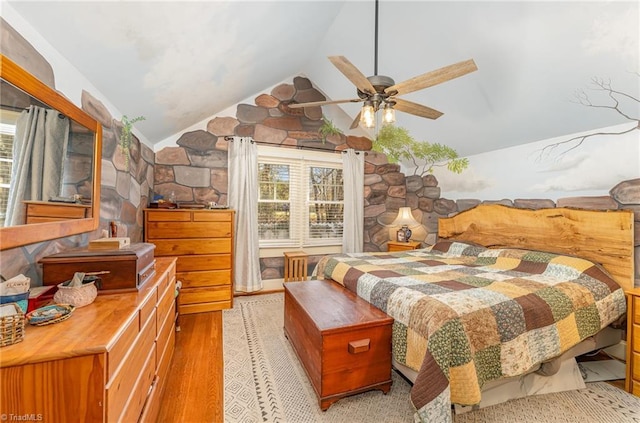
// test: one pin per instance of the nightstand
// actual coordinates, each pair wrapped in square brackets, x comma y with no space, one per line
[632,382]
[403,246]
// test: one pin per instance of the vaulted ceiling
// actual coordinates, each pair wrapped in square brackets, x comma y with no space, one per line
[179,63]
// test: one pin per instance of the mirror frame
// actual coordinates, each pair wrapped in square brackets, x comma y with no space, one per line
[17,236]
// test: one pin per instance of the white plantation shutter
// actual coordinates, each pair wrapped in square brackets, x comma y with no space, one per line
[301,198]
[325,200]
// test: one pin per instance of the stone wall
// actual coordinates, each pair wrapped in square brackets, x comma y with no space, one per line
[124,191]
[196,170]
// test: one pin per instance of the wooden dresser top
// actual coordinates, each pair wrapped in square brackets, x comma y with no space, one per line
[90,329]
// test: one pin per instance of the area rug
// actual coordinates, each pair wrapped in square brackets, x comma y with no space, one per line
[264,382]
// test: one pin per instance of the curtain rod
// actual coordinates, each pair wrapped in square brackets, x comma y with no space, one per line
[299,147]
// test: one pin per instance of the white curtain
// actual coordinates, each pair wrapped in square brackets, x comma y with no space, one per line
[353,177]
[39,151]
[243,198]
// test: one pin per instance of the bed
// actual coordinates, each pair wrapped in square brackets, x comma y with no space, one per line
[503,293]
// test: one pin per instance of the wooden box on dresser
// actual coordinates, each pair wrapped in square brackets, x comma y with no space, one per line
[202,240]
[108,362]
[633,342]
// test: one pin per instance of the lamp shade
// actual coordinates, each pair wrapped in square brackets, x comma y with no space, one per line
[368,115]
[405,218]
[388,114]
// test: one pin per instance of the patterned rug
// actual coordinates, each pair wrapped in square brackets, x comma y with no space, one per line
[264,382]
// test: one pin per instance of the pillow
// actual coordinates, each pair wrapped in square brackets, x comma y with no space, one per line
[457,248]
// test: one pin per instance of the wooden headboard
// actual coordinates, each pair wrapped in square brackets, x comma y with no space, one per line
[605,237]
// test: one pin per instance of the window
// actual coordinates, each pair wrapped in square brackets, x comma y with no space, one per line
[7,132]
[301,198]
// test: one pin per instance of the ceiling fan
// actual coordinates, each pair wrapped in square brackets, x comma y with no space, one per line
[379,91]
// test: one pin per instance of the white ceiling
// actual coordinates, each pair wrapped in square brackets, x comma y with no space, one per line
[178,62]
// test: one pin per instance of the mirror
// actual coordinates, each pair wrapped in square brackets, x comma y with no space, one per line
[78,139]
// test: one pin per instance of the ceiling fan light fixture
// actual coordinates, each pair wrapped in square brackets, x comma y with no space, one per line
[388,114]
[368,115]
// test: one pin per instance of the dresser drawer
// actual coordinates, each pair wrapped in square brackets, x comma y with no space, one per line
[146,309]
[120,348]
[152,404]
[164,306]
[168,216]
[636,310]
[138,396]
[59,211]
[635,388]
[205,278]
[204,295]
[164,355]
[172,230]
[220,216]
[204,262]
[635,372]
[180,247]
[205,307]
[164,332]
[120,387]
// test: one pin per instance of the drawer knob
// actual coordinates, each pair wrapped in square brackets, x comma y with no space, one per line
[360,346]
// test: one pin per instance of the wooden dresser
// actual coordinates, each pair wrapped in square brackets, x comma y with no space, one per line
[45,211]
[108,362]
[633,342]
[202,240]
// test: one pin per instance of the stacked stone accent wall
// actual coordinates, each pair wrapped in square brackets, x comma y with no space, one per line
[196,170]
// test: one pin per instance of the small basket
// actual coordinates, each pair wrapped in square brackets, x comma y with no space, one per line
[12,327]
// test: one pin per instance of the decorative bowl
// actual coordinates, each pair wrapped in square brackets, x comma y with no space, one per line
[77,296]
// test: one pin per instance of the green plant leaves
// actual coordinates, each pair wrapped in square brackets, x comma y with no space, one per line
[398,145]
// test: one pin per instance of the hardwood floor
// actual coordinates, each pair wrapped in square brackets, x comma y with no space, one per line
[195,389]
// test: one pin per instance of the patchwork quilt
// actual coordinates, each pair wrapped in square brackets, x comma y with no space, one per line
[465,315]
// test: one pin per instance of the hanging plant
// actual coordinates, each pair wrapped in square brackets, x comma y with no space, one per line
[398,145]
[328,128]
[126,136]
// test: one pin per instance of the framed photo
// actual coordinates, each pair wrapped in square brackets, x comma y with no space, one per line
[401,236]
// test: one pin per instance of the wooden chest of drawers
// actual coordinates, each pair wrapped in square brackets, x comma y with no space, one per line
[633,342]
[202,240]
[108,362]
[343,342]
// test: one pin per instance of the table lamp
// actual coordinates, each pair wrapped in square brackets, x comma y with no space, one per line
[405,219]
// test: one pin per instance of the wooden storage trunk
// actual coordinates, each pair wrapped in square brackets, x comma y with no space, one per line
[343,342]
[128,268]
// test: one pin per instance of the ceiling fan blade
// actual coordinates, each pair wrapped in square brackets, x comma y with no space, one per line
[322,103]
[416,109]
[432,78]
[353,74]
[356,121]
